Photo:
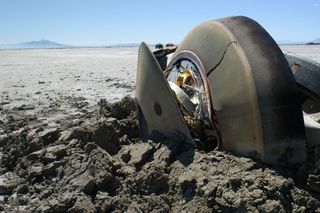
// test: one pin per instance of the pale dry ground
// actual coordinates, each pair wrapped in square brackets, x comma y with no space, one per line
[52,80]
[43,76]
[39,75]
[308,51]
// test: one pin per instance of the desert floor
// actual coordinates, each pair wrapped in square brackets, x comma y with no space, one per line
[68,144]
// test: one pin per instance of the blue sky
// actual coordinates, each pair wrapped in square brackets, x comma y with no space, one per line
[97,22]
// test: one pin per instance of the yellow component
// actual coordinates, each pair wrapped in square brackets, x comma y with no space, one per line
[184,77]
[179,80]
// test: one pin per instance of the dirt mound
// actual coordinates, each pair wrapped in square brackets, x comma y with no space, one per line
[99,164]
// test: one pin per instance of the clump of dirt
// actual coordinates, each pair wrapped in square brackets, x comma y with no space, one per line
[99,164]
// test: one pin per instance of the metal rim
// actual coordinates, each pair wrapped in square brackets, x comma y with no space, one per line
[254,111]
[187,55]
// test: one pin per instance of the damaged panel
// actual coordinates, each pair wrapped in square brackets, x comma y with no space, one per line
[306,72]
[229,81]
[280,110]
[157,102]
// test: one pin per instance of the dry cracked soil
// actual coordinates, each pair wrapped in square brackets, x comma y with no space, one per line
[96,162]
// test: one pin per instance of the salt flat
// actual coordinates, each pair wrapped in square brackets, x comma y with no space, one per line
[41,76]
[308,51]
[48,93]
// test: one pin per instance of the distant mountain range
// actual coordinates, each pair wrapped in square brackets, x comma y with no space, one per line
[34,44]
[50,44]
[315,41]
[42,44]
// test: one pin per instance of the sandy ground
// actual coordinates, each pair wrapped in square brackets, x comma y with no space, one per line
[61,151]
